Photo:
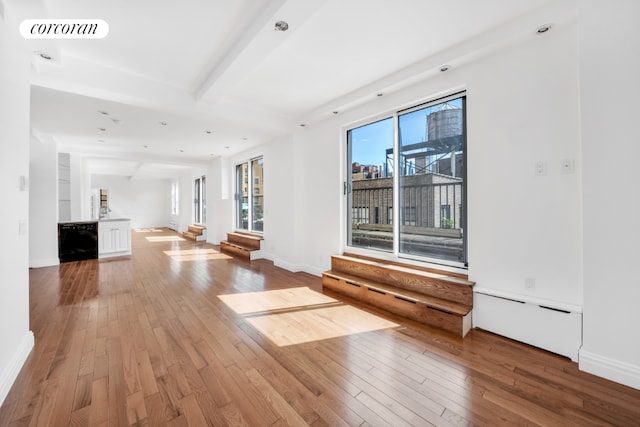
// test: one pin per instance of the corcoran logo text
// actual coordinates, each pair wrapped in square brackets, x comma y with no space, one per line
[64,28]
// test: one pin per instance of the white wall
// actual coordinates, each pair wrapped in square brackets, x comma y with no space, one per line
[77,187]
[280,203]
[43,203]
[147,202]
[16,341]
[219,199]
[609,72]
[522,107]
[568,95]
[318,191]
[186,182]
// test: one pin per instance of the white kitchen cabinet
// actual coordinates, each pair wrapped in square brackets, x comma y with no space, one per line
[114,238]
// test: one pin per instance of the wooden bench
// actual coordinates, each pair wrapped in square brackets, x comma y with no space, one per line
[430,297]
[241,244]
[194,232]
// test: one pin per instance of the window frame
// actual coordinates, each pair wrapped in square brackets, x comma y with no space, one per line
[199,214]
[395,219]
[250,181]
[175,198]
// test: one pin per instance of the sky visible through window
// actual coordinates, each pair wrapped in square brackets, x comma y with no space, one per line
[370,142]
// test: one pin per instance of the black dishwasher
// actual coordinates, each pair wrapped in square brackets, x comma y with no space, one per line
[77,241]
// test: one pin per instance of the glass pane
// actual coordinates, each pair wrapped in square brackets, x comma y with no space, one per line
[196,201]
[203,200]
[431,154]
[242,196]
[257,196]
[370,203]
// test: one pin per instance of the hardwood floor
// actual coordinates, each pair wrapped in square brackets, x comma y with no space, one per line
[180,334]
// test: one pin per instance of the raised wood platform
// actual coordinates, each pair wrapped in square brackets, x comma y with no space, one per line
[241,244]
[194,232]
[427,296]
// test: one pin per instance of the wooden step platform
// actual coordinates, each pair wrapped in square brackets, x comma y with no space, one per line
[428,296]
[194,232]
[241,244]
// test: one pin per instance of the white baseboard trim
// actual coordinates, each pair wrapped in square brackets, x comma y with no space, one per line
[294,268]
[46,262]
[611,369]
[311,270]
[10,372]
[261,254]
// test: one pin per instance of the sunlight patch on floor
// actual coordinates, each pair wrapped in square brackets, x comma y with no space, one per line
[317,324]
[279,299]
[164,238]
[306,315]
[196,254]
[149,230]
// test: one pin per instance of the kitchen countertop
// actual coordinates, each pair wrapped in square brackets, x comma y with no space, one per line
[114,219]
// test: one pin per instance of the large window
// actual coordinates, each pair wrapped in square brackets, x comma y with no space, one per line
[175,198]
[406,186]
[250,195]
[199,201]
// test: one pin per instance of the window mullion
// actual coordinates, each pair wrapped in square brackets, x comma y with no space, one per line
[250,196]
[396,187]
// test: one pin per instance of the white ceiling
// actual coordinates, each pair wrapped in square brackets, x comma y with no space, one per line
[219,66]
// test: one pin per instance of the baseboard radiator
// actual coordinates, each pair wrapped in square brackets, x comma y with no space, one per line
[553,327]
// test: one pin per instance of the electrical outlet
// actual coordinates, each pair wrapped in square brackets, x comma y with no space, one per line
[530,284]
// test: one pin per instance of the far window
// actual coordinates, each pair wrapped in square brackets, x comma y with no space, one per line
[250,196]
[175,198]
[199,200]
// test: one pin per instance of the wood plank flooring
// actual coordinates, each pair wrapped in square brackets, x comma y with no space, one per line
[179,334]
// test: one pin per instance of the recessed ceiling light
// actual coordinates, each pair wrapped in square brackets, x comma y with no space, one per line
[244,138]
[182,151]
[444,68]
[102,129]
[104,113]
[163,123]
[45,56]
[336,112]
[543,28]
[145,146]
[101,140]
[302,125]
[379,94]
[281,26]
[208,132]
[226,146]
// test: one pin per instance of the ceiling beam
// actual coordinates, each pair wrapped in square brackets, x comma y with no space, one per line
[255,43]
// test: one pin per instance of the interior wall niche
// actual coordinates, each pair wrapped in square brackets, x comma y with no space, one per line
[64,187]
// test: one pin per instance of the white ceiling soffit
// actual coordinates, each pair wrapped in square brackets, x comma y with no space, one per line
[219,65]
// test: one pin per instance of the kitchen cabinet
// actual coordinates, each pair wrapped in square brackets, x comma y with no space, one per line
[114,238]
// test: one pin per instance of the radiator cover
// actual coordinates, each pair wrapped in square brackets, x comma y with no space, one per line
[552,327]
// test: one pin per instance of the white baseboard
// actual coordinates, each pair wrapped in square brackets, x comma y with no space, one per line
[294,268]
[10,372]
[611,369]
[46,262]
[311,270]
